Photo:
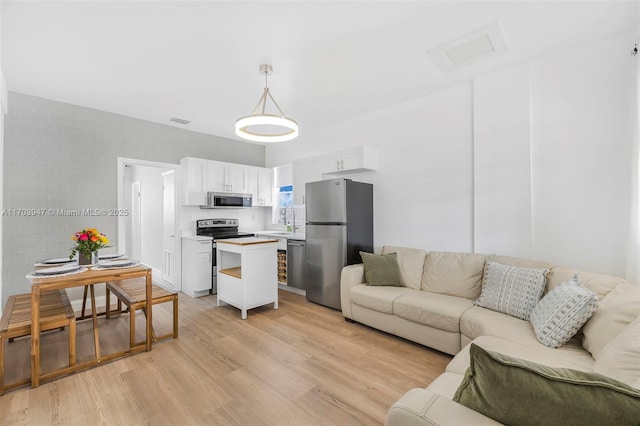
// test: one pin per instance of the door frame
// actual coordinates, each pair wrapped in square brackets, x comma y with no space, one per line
[121,164]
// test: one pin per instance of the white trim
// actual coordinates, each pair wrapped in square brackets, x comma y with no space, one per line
[175,168]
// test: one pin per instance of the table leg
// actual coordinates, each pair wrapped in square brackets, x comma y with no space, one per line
[94,314]
[149,306]
[35,336]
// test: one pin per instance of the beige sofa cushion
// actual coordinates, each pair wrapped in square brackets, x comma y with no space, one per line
[378,298]
[569,356]
[411,263]
[446,384]
[457,274]
[478,321]
[440,311]
[616,310]
[519,262]
[598,283]
[620,359]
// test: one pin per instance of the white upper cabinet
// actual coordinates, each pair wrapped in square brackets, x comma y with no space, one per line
[225,177]
[305,170]
[353,160]
[194,193]
[260,181]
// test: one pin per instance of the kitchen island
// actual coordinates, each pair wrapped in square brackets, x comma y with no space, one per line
[247,272]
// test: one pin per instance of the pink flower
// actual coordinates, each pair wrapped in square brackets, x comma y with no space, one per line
[83,237]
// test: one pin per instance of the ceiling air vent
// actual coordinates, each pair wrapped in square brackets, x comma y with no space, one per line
[180,120]
[475,46]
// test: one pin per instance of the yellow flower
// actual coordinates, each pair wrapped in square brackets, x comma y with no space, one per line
[103,239]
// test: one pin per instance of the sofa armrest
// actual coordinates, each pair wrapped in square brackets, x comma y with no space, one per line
[421,407]
[351,275]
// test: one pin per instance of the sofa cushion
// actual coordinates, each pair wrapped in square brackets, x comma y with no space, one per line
[620,359]
[410,262]
[446,384]
[457,274]
[560,314]
[378,298]
[519,262]
[440,311]
[478,321]
[617,310]
[598,283]
[515,391]
[381,269]
[511,289]
[568,356]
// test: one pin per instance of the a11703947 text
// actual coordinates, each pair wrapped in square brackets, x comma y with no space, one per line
[57,212]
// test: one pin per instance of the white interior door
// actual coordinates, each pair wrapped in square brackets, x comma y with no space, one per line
[136,240]
[168,226]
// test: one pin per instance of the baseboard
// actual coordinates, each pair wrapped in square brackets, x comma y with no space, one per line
[294,290]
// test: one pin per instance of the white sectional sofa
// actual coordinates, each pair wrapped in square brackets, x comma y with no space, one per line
[435,308]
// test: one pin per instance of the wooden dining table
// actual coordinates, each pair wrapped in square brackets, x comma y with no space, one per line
[84,279]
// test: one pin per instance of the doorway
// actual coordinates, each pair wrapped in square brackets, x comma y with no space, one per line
[147,193]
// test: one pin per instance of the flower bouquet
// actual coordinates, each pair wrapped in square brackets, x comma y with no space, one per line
[87,243]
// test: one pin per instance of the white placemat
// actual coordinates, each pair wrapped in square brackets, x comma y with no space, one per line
[105,267]
[31,275]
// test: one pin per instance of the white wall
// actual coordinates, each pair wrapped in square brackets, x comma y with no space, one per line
[3,111]
[551,143]
[423,187]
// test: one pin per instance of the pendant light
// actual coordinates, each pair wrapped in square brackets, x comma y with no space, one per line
[263,127]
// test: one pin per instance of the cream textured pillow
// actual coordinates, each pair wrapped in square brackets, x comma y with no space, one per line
[620,359]
[511,290]
[617,310]
[561,313]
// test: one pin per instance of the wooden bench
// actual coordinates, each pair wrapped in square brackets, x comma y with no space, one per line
[55,312]
[133,293]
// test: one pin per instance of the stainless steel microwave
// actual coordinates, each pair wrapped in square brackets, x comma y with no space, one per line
[227,200]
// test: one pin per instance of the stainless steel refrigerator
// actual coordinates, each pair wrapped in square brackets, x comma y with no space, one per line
[339,224]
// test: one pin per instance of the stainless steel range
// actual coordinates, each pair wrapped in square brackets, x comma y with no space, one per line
[218,229]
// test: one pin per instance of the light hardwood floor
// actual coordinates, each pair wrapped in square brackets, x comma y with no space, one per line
[302,364]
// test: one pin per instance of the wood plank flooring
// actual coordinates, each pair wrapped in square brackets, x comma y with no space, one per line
[302,364]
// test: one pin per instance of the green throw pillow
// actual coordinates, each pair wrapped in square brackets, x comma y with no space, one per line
[382,269]
[518,392]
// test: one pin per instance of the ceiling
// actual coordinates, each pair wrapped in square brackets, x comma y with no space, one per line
[332,60]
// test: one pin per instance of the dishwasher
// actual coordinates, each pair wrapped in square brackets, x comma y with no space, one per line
[295,263]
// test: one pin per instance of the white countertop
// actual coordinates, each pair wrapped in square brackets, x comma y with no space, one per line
[281,234]
[196,237]
[244,241]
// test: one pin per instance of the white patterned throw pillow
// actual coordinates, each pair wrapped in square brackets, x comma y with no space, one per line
[561,313]
[511,290]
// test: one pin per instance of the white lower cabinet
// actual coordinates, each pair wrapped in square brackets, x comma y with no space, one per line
[247,273]
[197,264]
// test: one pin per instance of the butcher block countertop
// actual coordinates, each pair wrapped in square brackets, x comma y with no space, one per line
[246,241]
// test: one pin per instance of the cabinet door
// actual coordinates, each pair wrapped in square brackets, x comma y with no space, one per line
[236,179]
[331,163]
[252,181]
[265,186]
[203,271]
[307,170]
[351,159]
[215,177]
[193,191]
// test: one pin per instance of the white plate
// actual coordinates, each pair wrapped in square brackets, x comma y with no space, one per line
[110,256]
[56,261]
[64,269]
[117,263]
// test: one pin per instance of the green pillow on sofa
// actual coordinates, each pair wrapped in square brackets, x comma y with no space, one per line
[518,392]
[382,269]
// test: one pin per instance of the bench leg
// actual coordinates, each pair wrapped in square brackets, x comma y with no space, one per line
[132,327]
[175,317]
